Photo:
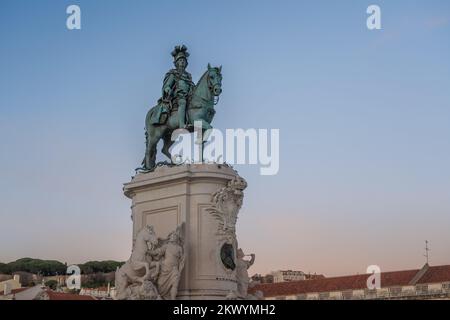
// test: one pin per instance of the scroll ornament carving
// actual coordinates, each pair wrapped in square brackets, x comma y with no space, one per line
[226,203]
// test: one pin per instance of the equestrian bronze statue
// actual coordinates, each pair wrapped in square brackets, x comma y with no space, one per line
[182,103]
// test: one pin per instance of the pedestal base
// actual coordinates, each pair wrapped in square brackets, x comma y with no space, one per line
[182,195]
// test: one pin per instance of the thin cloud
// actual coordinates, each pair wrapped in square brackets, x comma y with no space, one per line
[437,22]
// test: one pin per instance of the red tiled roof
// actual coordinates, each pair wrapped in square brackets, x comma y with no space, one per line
[314,276]
[55,295]
[436,274]
[354,282]
[52,295]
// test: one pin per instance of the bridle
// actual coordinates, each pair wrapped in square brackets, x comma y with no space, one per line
[211,87]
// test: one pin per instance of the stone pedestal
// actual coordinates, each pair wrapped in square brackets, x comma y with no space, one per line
[182,195]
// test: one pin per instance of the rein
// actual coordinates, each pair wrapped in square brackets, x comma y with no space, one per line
[209,102]
[210,87]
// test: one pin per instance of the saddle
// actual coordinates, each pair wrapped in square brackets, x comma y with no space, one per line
[162,111]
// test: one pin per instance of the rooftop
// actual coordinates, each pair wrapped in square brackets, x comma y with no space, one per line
[434,274]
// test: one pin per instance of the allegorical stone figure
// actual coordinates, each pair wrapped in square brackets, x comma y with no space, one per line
[242,272]
[171,258]
[178,84]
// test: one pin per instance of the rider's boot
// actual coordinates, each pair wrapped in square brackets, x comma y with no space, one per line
[182,114]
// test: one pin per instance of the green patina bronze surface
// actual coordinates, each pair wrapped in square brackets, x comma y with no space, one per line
[182,103]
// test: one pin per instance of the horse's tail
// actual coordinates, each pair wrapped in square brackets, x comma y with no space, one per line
[148,117]
[146,146]
[147,126]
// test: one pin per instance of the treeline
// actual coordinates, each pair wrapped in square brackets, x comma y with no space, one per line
[53,267]
[35,266]
[100,266]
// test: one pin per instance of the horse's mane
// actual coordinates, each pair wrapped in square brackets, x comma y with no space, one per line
[203,76]
[206,73]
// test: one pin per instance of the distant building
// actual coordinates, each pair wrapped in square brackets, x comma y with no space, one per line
[40,292]
[27,279]
[11,284]
[284,276]
[258,278]
[101,293]
[426,283]
[288,275]
[60,279]
[4,277]
[314,276]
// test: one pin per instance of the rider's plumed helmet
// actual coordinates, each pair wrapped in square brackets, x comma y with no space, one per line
[180,52]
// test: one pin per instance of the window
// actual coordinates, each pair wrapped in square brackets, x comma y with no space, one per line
[347,295]
[395,291]
[324,295]
[370,293]
[422,289]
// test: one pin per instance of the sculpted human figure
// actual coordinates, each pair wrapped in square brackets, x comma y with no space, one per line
[178,84]
[242,272]
[171,265]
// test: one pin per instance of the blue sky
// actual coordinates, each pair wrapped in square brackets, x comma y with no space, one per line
[363,118]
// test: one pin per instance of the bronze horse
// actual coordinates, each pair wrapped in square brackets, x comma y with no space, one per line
[199,108]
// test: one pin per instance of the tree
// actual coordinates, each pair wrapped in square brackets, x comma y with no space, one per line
[100,266]
[37,266]
[52,284]
[4,268]
[53,267]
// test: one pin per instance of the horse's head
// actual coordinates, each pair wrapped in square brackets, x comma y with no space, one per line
[215,80]
[150,236]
